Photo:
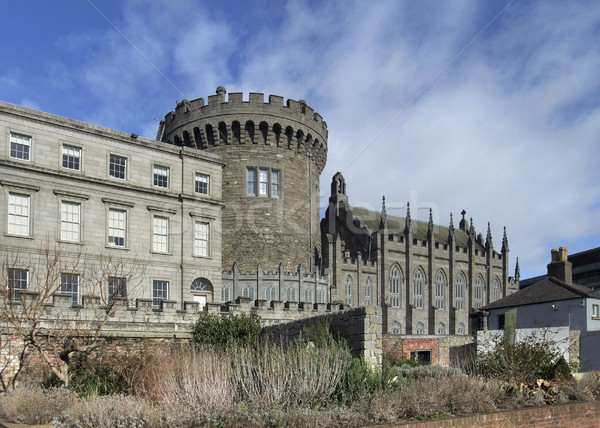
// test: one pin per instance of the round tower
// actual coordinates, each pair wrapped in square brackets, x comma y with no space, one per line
[274,154]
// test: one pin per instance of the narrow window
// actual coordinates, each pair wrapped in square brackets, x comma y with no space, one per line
[441,328]
[420,328]
[248,292]
[419,279]
[595,311]
[20,146]
[322,296]
[396,328]
[308,295]
[18,214]
[275,184]
[17,283]
[461,284]
[251,180]
[118,167]
[160,292]
[368,292]
[225,294]
[270,293]
[395,280]
[478,301]
[116,227]
[160,234]
[117,288]
[496,290]
[71,157]
[69,284]
[349,287]
[201,184]
[161,176]
[291,294]
[263,186]
[201,239]
[460,329]
[440,288]
[70,221]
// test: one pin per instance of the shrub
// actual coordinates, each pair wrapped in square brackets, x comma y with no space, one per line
[222,331]
[35,405]
[523,361]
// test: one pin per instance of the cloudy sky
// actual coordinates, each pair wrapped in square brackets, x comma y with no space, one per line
[491,107]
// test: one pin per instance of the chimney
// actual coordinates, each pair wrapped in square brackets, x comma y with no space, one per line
[560,267]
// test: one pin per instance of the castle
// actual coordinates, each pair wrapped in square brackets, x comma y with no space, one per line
[223,209]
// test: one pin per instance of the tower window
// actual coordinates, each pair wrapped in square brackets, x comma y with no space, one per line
[264,182]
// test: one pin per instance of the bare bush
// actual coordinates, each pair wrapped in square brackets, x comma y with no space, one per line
[35,405]
[300,374]
[586,388]
[187,378]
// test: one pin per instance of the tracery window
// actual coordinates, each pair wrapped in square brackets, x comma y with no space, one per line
[479,301]
[419,280]
[270,293]
[291,294]
[461,285]
[460,329]
[440,288]
[420,328]
[368,292]
[441,328]
[395,281]
[396,328]
[496,290]
[349,287]
[248,292]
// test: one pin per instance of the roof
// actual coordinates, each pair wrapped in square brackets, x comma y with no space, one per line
[371,219]
[547,290]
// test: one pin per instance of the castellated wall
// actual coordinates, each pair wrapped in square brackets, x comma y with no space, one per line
[288,143]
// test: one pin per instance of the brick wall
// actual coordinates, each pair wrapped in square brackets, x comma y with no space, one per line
[581,415]
[444,349]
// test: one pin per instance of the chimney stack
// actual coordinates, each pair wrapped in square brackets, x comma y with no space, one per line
[560,267]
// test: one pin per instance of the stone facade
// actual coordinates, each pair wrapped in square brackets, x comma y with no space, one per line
[63,196]
[272,221]
[428,279]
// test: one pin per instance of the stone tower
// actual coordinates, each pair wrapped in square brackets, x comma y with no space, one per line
[274,154]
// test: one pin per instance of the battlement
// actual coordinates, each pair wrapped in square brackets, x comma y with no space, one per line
[227,120]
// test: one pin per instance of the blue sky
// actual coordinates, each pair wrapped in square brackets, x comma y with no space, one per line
[503,123]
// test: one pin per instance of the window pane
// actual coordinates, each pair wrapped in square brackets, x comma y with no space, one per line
[18,214]
[117,287]
[275,184]
[117,167]
[264,182]
[69,283]
[116,227]
[17,282]
[160,292]
[202,184]
[161,176]
[69,221]
[160,235]
[19,146]
[251,180]
[71,156]
[201,239]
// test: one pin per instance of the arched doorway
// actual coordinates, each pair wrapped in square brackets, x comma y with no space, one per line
[202,291]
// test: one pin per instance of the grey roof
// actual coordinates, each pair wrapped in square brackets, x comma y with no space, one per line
[547,290]
[371,219]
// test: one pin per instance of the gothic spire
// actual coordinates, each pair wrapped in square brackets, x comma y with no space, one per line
[488,239]
[504,242]
[451,229]
[517,271]
[462,225]
[383,221]
[430,224]
[408,225]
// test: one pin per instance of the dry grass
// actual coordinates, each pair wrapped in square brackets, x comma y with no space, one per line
[17,405]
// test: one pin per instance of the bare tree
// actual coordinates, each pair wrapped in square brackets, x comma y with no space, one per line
[57,304]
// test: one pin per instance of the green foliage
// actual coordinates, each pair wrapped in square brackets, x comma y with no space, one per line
[223,331]
[360,380]
[524,361]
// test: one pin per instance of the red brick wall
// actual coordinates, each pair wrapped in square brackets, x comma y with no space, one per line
[580,415]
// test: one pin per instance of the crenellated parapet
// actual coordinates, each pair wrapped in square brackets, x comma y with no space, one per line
[229,120]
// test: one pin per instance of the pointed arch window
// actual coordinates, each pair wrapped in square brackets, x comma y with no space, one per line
[322,296]
[348,288]
[441,330]
[420,328]
[496,294]
[270,293]
[290,294]
[419,281]
[248,292]
[396,328]
[225,294]
[440,289]
[461,285]
[460,329]
[368,292]
[478,301]
[308,295]
[395,281]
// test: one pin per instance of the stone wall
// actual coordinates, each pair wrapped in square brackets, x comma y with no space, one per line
[360,327]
